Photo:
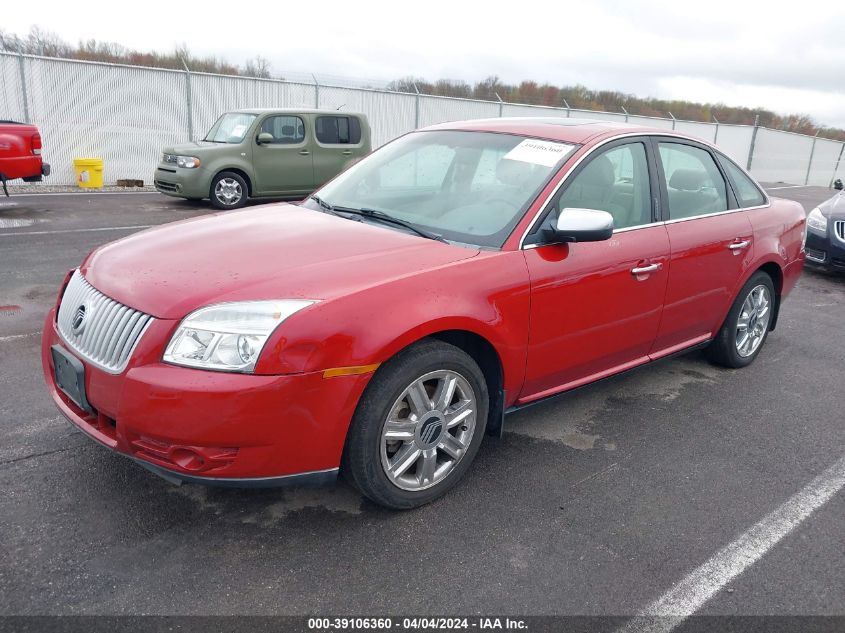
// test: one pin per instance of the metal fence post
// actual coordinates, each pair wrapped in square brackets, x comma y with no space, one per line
[501,104]
[316,92]
[810,162]
[416,107]
[836,167]
[568,109]
[673,120]
[753,141]
[716,133]
[189,101]
[23,87]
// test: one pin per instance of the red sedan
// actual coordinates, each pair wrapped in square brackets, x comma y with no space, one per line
[384,325]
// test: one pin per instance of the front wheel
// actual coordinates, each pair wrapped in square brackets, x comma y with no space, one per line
[747,325]
[418,426]
[228,191]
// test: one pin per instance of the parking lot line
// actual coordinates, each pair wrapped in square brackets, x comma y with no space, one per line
[14,337]
[688,596]
[58,231]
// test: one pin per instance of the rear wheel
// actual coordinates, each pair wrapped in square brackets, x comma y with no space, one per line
[418,426]
[747,325]
[228,191]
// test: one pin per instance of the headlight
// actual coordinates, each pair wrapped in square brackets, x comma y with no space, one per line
[228,336]
[816,221]
[188,162]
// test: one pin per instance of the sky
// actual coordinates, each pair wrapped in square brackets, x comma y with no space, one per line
[789,58]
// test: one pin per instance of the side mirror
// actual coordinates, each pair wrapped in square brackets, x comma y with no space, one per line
[838,184]
[264,138]
[581,225]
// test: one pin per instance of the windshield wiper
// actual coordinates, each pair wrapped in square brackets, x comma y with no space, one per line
[386,217]
[325,206]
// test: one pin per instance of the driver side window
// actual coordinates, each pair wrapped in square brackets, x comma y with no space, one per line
[615,181]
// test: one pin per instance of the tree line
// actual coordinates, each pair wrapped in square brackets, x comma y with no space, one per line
[41,42]
[582,98]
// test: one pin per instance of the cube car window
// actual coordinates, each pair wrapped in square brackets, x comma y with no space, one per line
[693,181]
[338,130]
[616,181]
[286,130]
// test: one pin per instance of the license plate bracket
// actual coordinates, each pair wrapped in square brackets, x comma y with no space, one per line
[69,373]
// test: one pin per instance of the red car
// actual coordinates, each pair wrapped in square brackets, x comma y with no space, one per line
[384,325]
[20,153]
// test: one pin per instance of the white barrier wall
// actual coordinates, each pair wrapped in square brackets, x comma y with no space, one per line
[774,156]
[823,166]
[126,114]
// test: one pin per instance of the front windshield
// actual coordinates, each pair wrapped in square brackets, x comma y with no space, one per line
[230,128]
[469,187]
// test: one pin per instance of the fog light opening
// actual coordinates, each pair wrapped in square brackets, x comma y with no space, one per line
[187,458]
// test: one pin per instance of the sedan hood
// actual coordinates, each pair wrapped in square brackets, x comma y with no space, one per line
[834,207]
[278,251]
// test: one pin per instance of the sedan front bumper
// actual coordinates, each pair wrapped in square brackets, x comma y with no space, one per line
[212,427]
[825,251]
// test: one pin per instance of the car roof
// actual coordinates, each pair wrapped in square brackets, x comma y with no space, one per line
[566,130]
[293,111]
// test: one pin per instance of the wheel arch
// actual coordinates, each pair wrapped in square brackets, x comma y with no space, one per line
[235,170]
[774,271]
[485,355]
[479,346]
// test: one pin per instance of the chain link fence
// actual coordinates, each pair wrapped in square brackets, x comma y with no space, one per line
[126,114]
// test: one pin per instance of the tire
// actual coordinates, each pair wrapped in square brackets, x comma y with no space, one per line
[440,462]
[228,191]
[729,348]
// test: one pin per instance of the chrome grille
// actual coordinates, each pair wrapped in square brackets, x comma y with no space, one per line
[839,229]
[101,330]
[168,158]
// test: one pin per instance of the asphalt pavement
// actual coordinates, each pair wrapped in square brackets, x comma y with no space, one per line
[597,503]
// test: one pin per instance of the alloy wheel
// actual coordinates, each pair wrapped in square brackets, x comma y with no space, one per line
[428,430]
[753,321]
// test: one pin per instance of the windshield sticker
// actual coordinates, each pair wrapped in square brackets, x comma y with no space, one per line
[238,130]
[537,152]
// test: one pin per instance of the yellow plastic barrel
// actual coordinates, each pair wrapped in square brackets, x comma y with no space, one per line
[89,172]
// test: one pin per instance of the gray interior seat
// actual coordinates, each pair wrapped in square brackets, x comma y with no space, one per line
[688,195]
[594,188]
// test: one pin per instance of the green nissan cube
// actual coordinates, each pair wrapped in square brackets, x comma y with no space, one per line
[263,153]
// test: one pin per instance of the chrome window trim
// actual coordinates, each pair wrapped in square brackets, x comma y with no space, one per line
[553,193]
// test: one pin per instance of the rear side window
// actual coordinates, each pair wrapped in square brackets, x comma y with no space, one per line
[338,130]
[286,130]
[693,181]
[746,191]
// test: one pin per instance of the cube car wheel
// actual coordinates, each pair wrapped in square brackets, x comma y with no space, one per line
[418,426]
[228,191]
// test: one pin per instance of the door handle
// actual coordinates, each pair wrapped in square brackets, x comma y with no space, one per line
[304,152]
[738,246]
[347,152]
[644,270]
